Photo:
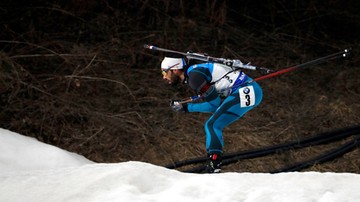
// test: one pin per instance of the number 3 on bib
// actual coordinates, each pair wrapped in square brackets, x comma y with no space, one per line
[247,96]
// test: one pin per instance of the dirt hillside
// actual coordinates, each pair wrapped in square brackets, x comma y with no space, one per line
[74,74]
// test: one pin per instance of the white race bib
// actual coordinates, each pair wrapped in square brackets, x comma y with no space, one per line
[247,96]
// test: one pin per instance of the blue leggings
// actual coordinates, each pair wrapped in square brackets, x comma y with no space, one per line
[228,112]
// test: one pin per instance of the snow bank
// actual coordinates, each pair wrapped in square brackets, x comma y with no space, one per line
[21,153]
[32,171]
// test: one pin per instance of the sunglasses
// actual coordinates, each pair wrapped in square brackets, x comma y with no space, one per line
[165,71]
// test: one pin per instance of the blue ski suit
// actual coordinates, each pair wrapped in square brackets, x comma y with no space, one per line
[227,96]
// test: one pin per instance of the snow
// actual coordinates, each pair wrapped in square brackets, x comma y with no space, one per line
[34,171]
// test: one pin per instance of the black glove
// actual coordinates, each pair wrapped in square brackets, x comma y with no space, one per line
[177,106]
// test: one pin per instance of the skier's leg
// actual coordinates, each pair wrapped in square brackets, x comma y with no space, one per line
[230,111]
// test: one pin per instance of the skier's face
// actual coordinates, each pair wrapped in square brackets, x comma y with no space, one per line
[171,77]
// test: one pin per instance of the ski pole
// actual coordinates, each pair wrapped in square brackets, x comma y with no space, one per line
[190,99]
[343,53]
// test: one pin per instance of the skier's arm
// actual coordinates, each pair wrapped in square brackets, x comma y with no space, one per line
[199,81]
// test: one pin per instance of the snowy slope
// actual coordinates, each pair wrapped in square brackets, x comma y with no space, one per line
[41,172]
[19,153]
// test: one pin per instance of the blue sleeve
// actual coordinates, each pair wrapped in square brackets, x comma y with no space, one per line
[204,106]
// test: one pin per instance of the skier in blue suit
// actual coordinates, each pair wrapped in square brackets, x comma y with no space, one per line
[226,95]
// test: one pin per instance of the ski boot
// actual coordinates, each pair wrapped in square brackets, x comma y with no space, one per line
[213,164]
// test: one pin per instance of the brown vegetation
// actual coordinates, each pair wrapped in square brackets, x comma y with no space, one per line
[74,74]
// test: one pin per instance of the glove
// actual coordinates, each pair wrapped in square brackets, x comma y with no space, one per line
[177,106]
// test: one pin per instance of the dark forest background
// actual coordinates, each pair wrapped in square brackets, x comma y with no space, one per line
[74,74]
